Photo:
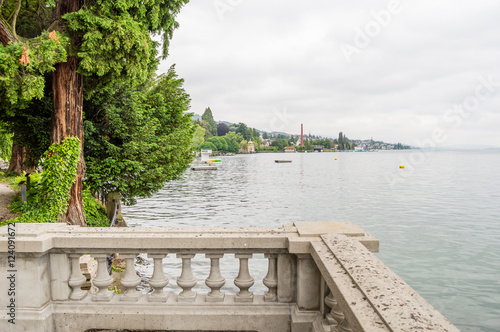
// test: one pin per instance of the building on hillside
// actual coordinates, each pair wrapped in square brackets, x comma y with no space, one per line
[251,147]
[290,149]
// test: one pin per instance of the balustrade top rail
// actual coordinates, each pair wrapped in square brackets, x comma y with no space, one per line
[293,239]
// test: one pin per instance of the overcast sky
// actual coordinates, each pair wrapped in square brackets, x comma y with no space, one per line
[418,72]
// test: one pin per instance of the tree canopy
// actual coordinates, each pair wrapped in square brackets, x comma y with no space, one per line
[137,137]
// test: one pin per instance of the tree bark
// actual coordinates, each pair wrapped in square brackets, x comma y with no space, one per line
[17,159]
[67,120]
[6,34]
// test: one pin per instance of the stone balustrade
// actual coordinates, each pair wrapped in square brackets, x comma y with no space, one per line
[320,277]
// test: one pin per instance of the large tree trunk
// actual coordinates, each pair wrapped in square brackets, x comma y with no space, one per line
[17,159]
[67,86]
[67,118]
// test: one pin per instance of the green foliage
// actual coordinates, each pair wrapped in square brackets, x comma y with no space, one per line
[233,141]
[137,137]
[344,143]
[198,136]
[280,144]
[116,269]
[115,288]
[244,145]
[48,195]
[5,142]
[220,143]
[326,143]
[116,35]
[23,66]
[208,118]
[59,174]
[244,131]
[31,126]
[270,149]
[208,146]
[95,213]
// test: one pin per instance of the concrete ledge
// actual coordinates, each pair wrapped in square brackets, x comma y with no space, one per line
[262,317]
[311,229]
[32,320]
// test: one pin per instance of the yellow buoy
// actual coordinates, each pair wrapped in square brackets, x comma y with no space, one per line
[335,158]
[401,166]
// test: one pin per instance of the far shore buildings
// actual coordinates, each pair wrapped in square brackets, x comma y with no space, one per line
[290,149]
[250,147]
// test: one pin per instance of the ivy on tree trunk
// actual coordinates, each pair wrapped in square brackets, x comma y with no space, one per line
[67,120]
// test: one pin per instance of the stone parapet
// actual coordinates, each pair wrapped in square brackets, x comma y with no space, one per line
[322,276]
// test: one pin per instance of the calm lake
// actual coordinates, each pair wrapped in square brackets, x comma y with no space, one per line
[438,219]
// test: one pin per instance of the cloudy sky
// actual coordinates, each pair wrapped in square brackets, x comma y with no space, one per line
[423,72]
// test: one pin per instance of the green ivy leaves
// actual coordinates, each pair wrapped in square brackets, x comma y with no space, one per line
[51,192]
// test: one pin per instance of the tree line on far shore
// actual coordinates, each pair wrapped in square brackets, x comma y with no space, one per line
[234,137]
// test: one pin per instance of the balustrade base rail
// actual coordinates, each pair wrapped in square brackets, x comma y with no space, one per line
[321,277]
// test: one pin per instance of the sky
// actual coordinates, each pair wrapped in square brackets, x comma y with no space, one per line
[424,73]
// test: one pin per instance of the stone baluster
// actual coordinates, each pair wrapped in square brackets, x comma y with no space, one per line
[158,281]
[336,318]
[331,303]
[102,280]
[187,280]
[77,279]
[271,279]
[130,280]
[344,326]
[243,281]
[215,280]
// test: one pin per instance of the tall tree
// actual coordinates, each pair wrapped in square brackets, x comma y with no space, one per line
[244,131]
[106,38]
[208,117]
[137,137]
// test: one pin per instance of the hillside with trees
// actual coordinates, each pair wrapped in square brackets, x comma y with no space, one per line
[240,134]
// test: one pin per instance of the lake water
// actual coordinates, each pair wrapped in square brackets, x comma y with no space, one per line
[438,219]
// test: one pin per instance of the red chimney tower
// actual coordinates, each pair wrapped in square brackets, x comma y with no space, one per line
[301,134]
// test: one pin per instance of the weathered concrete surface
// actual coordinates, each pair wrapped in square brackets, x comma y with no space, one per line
[316,229]
[229,315]
[375,295]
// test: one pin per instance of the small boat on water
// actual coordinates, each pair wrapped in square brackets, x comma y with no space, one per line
[282,161]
